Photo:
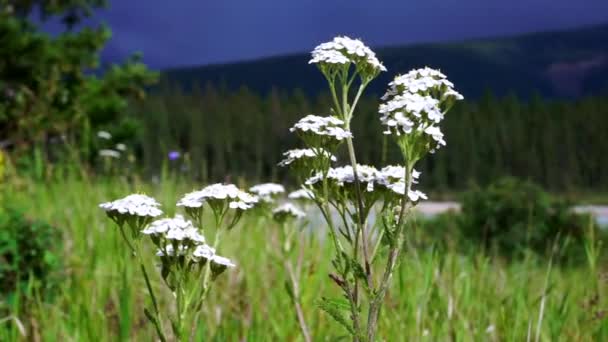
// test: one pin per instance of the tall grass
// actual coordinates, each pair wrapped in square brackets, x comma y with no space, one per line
[438,295]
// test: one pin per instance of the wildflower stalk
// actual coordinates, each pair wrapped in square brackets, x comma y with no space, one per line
[135,249]
[393,257]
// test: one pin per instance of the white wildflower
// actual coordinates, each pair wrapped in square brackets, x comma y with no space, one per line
[394,174]
[288,210]
[121,147]
[109,153]
[204,251]
[169,250]
[104,135]
[344,50]
[413,195]
[133,205]
[417,102]
[301,194]
[297,154]
[176,228]
[267,191]
[238,199]
[367,175]
[328,129]
[423,81]
[222,261]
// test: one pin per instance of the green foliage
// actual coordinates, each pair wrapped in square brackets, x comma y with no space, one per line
[52,87]
[445,295]
[244,134]
[513,216]
[30,252]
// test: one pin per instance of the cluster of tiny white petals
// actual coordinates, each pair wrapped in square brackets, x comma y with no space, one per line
[134,205]
[423,81]
[407,112]
[104,135]
[109,153]
[169,250]
[389,177]
[297,154]
[344,50]
[266,191]
[208,253]
[301,194]
[345,175]
[200,252]
[393,174]
[238,199]
[328,126]
[176,228]
[413,103]
[413,195]
[288,209]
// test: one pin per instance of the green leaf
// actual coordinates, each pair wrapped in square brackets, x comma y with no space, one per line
[335,308]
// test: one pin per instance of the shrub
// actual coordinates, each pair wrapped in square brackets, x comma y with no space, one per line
[512,215]
[28,251]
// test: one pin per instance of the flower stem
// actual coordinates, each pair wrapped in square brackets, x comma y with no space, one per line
[394,253]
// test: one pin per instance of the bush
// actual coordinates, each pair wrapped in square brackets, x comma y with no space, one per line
[28,252]
[512,215]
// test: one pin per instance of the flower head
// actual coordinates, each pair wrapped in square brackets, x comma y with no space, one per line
[104,135]
[121,147]
[344,50]
[133,205]
[425,81]
[267,191]
[174,229]
[136,210]
[302,194]
[173,155]
[109,153]
[293,156]
[216,193]
[414,106]
[320,131]
[287,211]
[341,176]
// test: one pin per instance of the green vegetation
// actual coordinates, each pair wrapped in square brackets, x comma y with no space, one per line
[53,93]
[512,218]
[29,252]
[560,145]
[438,294]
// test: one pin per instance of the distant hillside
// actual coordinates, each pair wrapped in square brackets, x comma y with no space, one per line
[553,64]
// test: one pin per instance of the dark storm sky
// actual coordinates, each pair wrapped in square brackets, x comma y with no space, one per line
[189,32]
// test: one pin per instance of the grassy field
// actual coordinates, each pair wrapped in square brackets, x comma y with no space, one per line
[436,296]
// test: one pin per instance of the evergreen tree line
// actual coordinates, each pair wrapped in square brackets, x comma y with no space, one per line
[562,145]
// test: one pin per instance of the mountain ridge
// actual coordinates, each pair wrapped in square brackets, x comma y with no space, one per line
[555,64]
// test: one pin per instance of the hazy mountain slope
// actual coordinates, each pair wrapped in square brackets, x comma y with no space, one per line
[554,64]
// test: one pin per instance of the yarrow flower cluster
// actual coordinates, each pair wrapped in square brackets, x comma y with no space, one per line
[295,155]
[424,81]
[218,194]
[136,209]
[267,191]
[287,211]
[320,131]
[109,153]
[181,247]
[301,194]
[389,177]
[345,50]
[416,103]
[174,229]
